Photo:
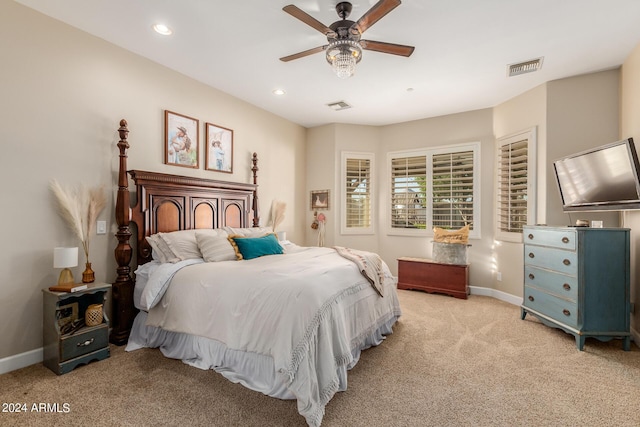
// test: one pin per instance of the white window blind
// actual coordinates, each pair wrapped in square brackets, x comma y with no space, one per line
[515,193]
[453,189]
[512,181]
[408,192]
[358,193]
[356,210]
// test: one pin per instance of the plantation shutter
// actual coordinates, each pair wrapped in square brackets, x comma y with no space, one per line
[513,164]
[358,193]
[408,192]
[452,189]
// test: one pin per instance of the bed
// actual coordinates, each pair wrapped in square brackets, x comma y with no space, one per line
[217,291]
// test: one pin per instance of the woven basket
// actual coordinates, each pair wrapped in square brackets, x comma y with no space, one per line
[93,315]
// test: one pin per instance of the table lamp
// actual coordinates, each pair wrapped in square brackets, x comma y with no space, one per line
[65,258]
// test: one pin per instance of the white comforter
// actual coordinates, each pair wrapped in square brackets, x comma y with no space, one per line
[302,309]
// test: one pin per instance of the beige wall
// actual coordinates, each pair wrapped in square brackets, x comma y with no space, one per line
[570,115]
[516,115]
[439,131]
[582,112]
[630,127]
[64,93]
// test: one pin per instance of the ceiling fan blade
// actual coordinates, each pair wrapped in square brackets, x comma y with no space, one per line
[296,12]
[303,54]
[392,48]
[376,13]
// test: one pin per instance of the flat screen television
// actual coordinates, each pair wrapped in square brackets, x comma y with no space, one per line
[602,178]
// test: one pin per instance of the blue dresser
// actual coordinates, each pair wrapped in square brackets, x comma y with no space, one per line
[577,279]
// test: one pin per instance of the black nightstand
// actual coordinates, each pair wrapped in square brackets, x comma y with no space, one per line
[67,341]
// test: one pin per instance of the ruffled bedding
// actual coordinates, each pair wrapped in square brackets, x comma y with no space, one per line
[289,326]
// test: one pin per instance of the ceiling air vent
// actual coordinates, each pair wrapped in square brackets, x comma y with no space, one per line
[524,67]
[340,105]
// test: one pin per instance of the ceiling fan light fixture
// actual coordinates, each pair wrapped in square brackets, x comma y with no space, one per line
[343,55]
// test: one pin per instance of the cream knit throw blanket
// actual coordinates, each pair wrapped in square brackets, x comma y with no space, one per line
[369,264]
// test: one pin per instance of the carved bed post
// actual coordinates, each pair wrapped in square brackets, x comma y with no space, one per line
[122,289]
[256,212]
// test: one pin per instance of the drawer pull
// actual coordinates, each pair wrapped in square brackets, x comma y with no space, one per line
[531,298]
[565,240]
[566,262]
[531,255]
[86,343]
[566,312]
[531,276]
[566,287]
[530,236]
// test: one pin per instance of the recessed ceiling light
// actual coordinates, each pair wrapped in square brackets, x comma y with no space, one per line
[162,29]
[279,92]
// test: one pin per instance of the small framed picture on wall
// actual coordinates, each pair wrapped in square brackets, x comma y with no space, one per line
[219,152]
[320,200]
[181,135]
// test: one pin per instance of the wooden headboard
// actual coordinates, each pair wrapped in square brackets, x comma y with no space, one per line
[167,203]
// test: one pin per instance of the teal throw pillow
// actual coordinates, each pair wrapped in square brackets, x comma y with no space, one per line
[254,247]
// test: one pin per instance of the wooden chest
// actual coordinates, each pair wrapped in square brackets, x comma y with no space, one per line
[429,276]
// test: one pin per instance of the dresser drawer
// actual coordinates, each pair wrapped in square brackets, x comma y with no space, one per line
[565,239]
[560,309]
[86,341]
[563,285]
[552,259]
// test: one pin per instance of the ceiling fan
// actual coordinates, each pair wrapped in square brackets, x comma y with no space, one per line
[345,46]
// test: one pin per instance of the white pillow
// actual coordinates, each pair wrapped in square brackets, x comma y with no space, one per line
[248,232]
[182,243]
[215,247]
[160,250]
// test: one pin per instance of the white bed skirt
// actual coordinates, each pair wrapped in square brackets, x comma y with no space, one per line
[254,371]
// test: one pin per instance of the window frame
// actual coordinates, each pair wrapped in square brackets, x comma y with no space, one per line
[475,147]
[531,136]
[344,229]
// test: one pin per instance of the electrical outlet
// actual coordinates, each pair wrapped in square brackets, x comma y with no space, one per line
[101,227]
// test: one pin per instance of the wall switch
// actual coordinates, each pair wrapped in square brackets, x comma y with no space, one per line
[101,228]
[499,276]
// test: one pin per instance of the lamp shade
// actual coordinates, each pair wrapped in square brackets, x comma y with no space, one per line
[65,257]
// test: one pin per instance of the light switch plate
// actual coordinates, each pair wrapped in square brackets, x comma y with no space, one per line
[101,227]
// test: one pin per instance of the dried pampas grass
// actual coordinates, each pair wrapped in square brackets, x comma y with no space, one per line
[80,207]
[277,213]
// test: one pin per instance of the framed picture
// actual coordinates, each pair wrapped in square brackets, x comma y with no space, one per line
[180,140]
[320,200]
[219,152]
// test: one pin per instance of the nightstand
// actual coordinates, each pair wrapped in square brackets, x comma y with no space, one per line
[65,347]
[429,276]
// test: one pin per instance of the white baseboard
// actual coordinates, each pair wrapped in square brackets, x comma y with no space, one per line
[19,361]
[502,296]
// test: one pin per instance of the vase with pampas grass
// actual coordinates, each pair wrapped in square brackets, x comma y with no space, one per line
[277,214]
[80,207]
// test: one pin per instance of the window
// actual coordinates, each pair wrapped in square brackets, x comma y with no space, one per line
[515,194]
[408,192]
[436,187]
[452,188]
[356,215]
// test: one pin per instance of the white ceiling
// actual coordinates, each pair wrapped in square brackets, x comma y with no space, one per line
[460,62]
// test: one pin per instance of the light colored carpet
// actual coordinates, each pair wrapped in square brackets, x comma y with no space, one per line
[449,362]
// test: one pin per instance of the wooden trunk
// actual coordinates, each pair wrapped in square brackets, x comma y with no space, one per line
[429,276]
